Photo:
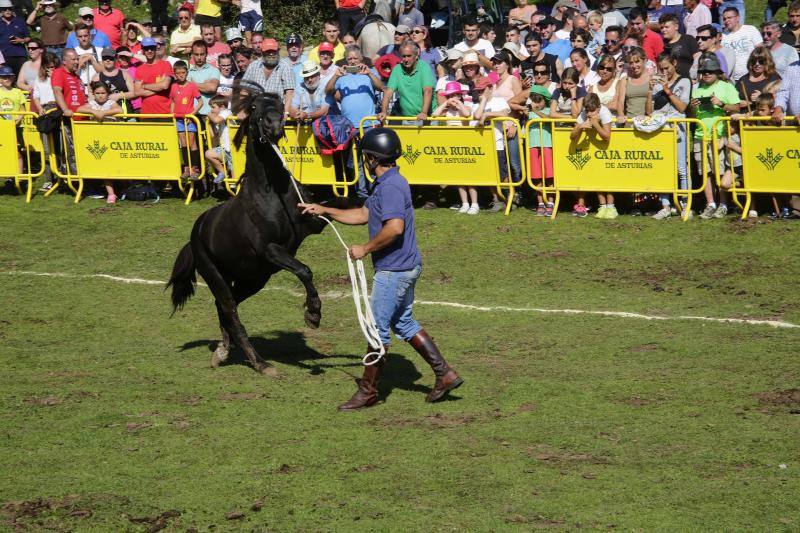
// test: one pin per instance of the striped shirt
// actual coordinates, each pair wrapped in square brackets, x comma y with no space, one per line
[788,97]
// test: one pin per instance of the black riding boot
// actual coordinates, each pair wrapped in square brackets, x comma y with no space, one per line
[367,393]
[446,377]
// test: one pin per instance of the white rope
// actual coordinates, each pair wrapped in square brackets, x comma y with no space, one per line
[358,283]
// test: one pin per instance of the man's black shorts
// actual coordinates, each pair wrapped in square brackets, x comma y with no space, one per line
[211,21]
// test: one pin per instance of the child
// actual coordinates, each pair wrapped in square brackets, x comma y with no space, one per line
[102,109]
[12,99]
[596,117]
[220,156]
[595,46]
[541,145]
[567,102]
[454,106]
[185,100]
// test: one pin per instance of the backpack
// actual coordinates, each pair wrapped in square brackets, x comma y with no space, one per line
[333,133]
[139,192]
[50,121]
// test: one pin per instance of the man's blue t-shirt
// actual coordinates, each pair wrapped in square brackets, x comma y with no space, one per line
[390,199]
[358,96]
[99,39]
[560,48]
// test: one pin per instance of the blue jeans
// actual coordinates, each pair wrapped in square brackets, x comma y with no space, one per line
[683,168]
[513,160]
[772,7]
[392,298]
[738,4]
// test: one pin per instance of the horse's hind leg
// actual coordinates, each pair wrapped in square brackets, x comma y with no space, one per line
[279,256]
[223,349]
[229,318]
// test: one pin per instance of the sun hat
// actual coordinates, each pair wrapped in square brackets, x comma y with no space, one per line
[309,69]
[470,58]
[232,34]
[514,49]
[5,4]
[452,87]
[48,2]
[454,54]
[269,45]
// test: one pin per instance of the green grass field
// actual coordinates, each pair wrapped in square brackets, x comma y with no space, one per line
[112,418]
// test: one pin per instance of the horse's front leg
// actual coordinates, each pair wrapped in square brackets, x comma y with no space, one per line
[280,257]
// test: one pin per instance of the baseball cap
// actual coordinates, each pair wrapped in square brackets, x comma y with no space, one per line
[309,69]
[385,64]
[326,47]
[233,34]
[6,3]
[294,39]
[5,70]
[108,52]
[148,42]
[402,28]
[709,62]
[85,12]
[269,45]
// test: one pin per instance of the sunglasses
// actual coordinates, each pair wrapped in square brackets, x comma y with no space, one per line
[87,17]
[416,32]
[183,18]
[34,48]
[541,72]
[612,41]
[399,33]
[605,69]
[706,72]
[703,37]
[148,48]
[759,61]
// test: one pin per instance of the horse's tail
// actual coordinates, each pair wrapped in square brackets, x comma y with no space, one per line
[183,278]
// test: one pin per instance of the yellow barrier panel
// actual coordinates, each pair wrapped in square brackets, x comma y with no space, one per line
[631,161]
[770,158]
[453,155]
[23,134]
[147,149]
[302,155]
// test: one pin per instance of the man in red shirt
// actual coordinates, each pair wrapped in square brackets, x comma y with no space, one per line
[350,13]
[652,42]
[153,80]
[215,47]
[111,22]
[70,94]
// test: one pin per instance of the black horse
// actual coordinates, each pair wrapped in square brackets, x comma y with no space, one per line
[238,245]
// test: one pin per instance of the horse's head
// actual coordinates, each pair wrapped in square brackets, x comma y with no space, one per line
[265,116]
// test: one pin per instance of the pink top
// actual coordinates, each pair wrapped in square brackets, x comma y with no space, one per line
[504,90]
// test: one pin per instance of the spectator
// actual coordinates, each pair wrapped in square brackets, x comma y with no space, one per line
[30,69]
[110,21]
[54,25]
[181,39]
[487,33]
[11,99]
[790,32]
[70,94]
[125,62]
[401,34]
[636,89]
[450,67]
[375,34]
[597,119]
[656,9]
[251,20]
[410,15]
[102,108]
[89,56]
[327,68]
[413,82]
[220,156]
[611,16]
[670,95]
[330,34]
[580,62]
[135,32]
[272,75]
[533,45]
[761,78]
[294,53]
[470,72]
[427,53]
[783,54]
[696,14]
[580,39]
[708,40]
[652,43]
[738,5]
[787,100]
[551,44]
[633,42]
[209,12]
[508,87]
[158,16]
[99,39]
[613,42]
[204,76]
[42,98]
[255,43]
[513,36]
[741,39]
[350,13]
[608,83]
[310,101]
[185,100]
[152,80]
[117,82]
[712,97]
[566,27]
[519,17]
[454,106]
[161,49]
[226,77]
[682,47]
[13,37]
[233,36]
[540,143]
[214,47]
[472,41]
[242,59]
[597,40]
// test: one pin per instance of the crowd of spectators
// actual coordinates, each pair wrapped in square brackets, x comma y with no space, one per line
[589,63]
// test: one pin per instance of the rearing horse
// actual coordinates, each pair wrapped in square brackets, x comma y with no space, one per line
[238,245]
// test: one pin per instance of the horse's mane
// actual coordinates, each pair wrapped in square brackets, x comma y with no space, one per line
[245,93]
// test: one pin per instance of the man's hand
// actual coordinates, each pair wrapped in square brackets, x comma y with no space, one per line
[357,251]
[422,116]
[313,209]
[381,116]
[363,69]
[777,115]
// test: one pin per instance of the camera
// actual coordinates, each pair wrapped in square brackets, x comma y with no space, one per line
[351,69]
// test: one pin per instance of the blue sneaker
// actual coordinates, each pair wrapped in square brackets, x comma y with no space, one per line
[220,178]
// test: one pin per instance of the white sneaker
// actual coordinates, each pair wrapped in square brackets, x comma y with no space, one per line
[664,213]
[721,212]
[473,209]
[752,214]
[708,212]
[463,209]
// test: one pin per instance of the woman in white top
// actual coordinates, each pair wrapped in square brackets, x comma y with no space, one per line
[42,96]
[606,87]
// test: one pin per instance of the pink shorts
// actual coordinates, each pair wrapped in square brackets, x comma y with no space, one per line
[536,163]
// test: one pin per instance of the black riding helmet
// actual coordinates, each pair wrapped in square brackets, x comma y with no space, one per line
[381,143]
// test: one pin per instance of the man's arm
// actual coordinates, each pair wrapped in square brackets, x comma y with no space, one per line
[208,86]
[390,231]
[139,89]
[353,217]
[58,94]
[427,96]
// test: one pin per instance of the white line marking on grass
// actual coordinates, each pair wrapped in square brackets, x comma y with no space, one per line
[455,305]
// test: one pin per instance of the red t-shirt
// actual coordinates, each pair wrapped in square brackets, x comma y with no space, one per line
[71,87]
[348,4]
[184,97]
[110,24]
[653,45]
[153,73]
[216,50]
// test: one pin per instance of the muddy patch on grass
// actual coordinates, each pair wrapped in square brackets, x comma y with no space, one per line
[536,522]
[45,401]
[649,347]
[155,523]
[288,469]
[781,397]
[365,468]
[554,456]
[38,513]
[241,396]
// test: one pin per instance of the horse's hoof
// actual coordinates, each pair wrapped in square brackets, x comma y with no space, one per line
[219,356]
[269,371]
[312,319]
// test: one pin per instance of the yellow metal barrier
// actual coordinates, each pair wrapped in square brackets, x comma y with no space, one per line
[147,149]
[15,133]
[770,158]
[453,155]
[631,161]
[302,155]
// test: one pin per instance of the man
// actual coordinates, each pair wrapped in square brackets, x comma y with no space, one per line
[210,12]
[152,80]
[681,47]
[472,41]
[657,9]
[272,75]
[652,43]
[110,21]
[251,19]
[309,101]
[402,33]
[787,101]
[13,37]
[54,26]
[242,58]
[70,94]
[99,39]
[326,65]
[202,74]
[739,38]
[566,22]
[182,37]
[513,36]
[561,48]
[213,46]
[89,56]
[410,16]
[791,30]
[134,33]
[696,14]
[375,34]
[350,13]
[255,42]
[397,261]
[783,54]
[330,34]
[533,45]
[613,43]
[708,40]
[294,53]
[559,12]
[736,4]
[413,81]
[233,36]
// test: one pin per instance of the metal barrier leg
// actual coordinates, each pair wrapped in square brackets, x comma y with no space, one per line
[79,192]
[55,186]
[190,193]
[509,200]
[556,201]
[746,208]
[687,208]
